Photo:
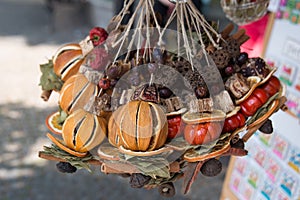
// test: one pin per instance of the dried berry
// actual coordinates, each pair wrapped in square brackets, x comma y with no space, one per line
[66,167]
[229,70]
[104,83]
[247,71]
[98,35]
[165,92]
[114,71]
[242,58]
[167,189]
[139,180]
[267,127]
[201,92]
[212,167]
[260,62]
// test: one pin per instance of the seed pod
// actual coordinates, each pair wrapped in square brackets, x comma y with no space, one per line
[221,58]
[67,61]
[138,126]
[76,93]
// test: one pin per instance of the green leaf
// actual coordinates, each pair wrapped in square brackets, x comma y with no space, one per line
[49,80]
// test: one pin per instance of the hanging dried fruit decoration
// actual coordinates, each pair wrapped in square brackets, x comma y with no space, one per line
[163,96]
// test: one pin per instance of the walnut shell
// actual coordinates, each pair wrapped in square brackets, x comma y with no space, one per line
[138,126]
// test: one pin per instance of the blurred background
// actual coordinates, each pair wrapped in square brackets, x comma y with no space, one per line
[30,33]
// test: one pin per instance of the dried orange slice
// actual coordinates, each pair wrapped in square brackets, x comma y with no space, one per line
[233,112]
[254,82]
[193,118]
[52,123]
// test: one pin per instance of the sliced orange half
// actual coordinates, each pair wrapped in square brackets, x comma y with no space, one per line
[63,147]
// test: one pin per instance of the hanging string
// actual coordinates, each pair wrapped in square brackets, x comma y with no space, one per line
[191,23]
[143,14]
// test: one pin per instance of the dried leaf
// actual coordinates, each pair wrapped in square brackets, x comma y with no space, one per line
[179,143]
[77,162]
[262,110]
[160,180]
[213,146]
[49,80]
[152,166]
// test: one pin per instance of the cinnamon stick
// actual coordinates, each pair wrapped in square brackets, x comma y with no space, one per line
[227,30]
[239,34]
[53,158]
[46,94]
[191,174]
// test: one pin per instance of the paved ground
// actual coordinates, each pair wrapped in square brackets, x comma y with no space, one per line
[28,36]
